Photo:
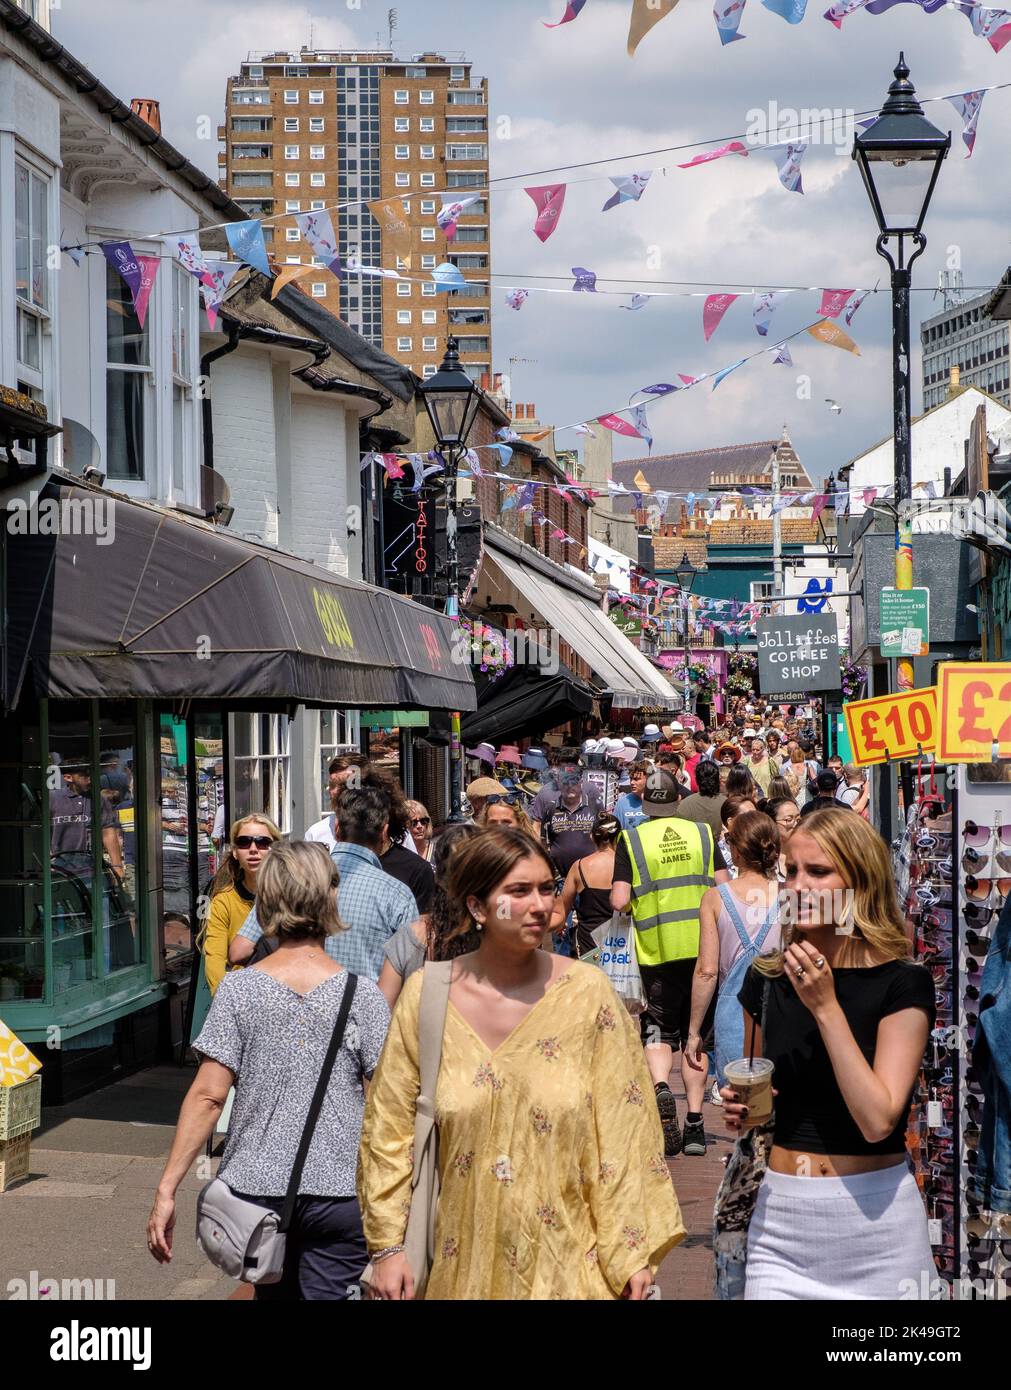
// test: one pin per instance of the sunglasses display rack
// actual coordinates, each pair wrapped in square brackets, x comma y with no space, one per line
[982,867]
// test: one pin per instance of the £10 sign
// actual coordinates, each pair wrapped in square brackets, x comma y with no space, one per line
[892,726]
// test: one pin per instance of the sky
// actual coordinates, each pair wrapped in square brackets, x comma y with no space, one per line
[570,95]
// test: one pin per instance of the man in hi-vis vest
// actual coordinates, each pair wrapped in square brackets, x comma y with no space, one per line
[663,867]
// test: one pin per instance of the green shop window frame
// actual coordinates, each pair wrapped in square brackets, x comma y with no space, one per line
[109,992]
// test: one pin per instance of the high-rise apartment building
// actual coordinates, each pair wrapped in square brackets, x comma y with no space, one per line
[962,336]
[311,130]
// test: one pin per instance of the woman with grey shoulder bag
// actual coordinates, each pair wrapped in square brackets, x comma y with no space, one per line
[297,1036]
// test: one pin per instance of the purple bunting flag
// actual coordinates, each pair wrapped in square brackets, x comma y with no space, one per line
[572,11]
[782,357]
[585,280]
[968,105]
[629,188]
[120,256]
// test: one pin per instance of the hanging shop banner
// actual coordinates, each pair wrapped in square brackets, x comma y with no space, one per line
[905,622]
[892,726]
[798,653]
[975,711]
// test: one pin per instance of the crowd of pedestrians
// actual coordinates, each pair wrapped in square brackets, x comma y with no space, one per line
[553,1109]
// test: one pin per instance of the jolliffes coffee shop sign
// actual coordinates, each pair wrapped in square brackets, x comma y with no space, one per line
[798,653]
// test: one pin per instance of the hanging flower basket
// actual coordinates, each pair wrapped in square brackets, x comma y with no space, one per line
[488,649]
[854,679]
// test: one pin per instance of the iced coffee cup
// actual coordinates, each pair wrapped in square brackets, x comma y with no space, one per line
[752,1080]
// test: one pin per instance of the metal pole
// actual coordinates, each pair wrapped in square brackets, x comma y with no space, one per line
[777,526]
[453,612]
[904,678]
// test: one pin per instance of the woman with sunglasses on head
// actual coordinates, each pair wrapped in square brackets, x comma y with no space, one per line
[234,890]
[419,826]
[552,1177]
[502,812]
[434,935]
[848,1014]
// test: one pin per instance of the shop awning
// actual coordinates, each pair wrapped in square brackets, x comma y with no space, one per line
[571,607]
[137,602]
[526,701]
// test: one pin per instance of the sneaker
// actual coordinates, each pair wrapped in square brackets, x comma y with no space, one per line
[667,1106]
[694,1143]
[715,1098]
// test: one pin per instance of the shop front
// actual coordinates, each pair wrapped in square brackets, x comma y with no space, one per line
[141,683]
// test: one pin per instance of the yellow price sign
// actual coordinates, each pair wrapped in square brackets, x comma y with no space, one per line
[975,720]
[892,726]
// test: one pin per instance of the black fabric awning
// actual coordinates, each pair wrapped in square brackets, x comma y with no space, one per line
[156,606]
[526,702]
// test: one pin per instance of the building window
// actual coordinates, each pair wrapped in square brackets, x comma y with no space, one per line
[317,180]
[291,234]
[404,289]
[296,70]
[291,152]
[317,205]
[429,369]
[416,72]
[318,289]
[428,152]
[466,151]
[762,590]
[427,98]
[428,180]
[316,124]
[428,344]
[293,260]
[183,303]
[457,74]
[429,291]
[315,151]
[31,237]
[428,262]
[292,180]
[401,124]
[428,234]
[428,207]
[427,125]
[401,97]
[316,98]
[402,180]
[405,344]
[292,205]
[291,98]
[129,381]
[429,316]
[403,316]
[262,758]
[468,97]
[291,125]
[402,152]
[254,70]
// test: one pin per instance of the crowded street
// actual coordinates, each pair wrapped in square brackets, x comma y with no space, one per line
[478,827]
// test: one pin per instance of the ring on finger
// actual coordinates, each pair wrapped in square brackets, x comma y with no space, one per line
[820,962]
[800,972]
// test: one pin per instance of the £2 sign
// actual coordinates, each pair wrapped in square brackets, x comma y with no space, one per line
[892,726]
[975,700]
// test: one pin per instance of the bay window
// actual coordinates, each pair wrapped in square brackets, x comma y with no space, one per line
[129,380]
[31,239]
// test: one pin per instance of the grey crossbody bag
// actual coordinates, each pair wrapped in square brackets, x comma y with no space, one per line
[243,1239]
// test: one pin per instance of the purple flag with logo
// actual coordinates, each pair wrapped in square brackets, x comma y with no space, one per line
[246,242]
[120,256]
[585,279]
[728,15]
[968,106]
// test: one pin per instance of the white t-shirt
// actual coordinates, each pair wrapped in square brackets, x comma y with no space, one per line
[322,833]
[848,795]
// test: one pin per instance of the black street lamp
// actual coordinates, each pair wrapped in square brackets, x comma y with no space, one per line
[686,575]
[900,155]
[452,399]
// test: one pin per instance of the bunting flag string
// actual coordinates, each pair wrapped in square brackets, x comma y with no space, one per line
[765,305]
[734,147]
[833,302]
[317,228]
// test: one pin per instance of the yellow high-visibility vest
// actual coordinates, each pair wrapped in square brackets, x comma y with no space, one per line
[672,866]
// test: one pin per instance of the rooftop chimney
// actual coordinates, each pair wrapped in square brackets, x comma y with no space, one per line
[148,110]
[954,380]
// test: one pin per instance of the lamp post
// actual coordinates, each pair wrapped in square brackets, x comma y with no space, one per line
[452,398]
[900,157]
[686,574]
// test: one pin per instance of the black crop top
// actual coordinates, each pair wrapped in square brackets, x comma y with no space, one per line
[811,1115]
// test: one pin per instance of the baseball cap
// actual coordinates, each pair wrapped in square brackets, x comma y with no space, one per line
[661,795]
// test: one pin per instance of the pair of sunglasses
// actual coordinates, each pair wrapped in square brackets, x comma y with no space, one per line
[979,943]
[248,841]
[979,835]
[420,820]
[975,861]
[979,916]
[982,888]
[509,799]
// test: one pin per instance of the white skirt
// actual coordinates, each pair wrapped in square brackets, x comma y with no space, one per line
[861,1237]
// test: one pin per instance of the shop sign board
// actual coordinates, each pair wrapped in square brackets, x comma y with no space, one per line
[905,622]
[798,653]
[892,726]
[975,711]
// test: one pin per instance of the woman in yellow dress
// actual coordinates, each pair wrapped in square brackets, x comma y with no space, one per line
[553,1179]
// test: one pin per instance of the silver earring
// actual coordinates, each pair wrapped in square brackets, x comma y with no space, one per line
[478,926]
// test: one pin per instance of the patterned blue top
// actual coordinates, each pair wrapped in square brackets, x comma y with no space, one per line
[275,1040]
[371,903]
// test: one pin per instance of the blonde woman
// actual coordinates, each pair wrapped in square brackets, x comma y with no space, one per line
[839,1214]
[267,1034]
[419,827]
[250,841]
[503,813]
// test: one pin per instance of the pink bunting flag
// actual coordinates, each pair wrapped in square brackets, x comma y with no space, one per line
[149,266]
[968,105]
[735,147]
[572,11]
[836,13]
[618,425]
[991,23]
[549,200]
[713,309]
[214,285]
[452,209]
[833,302]
[392,465]
[517,298]
[870,493]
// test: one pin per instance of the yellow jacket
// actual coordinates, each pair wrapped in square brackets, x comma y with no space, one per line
[229,910]
[672,867]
